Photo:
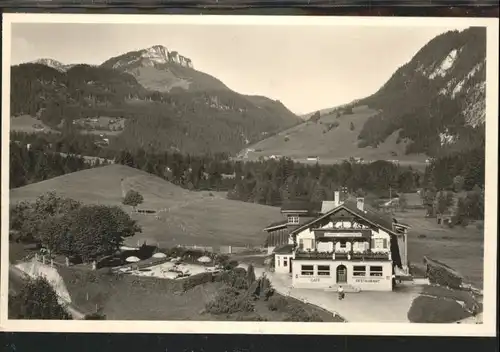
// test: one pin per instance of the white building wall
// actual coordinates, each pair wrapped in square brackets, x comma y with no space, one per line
[364,283]
[282,263]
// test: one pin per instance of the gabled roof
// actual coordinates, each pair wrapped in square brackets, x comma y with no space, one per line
[368,214]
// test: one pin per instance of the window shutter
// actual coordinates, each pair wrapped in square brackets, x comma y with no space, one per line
[385,243]
[373,243]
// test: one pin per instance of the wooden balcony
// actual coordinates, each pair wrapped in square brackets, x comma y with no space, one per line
[313,255]
[364,256]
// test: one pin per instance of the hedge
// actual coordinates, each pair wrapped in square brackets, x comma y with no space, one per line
[196,280]
[441,274]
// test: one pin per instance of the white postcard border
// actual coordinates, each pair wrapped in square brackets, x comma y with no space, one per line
[488,328]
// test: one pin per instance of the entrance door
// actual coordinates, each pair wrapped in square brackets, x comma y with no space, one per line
[341,274]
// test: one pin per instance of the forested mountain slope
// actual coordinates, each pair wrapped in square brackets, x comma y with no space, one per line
[166,103]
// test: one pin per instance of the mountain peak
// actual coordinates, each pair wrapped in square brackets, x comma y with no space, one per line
[152,56]
[156,53]
[52,63]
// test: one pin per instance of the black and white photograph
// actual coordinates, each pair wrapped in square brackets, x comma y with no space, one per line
[278,174]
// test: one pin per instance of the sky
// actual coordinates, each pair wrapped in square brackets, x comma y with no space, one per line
[307,68]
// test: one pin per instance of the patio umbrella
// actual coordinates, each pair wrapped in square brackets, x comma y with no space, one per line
[204,259]
[132,260]
[159,255]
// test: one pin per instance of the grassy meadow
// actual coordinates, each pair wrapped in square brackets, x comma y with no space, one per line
[26,123]
[190,218]
[334,145]
[461,248]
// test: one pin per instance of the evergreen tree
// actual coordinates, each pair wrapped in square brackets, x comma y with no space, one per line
[36,300]
[250,275]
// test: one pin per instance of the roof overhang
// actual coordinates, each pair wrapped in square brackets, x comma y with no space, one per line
[275,227]
[342,206]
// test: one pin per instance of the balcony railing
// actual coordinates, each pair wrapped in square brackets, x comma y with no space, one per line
[313,255]
[351,255]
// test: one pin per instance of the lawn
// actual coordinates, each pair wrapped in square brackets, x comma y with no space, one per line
[460,248]
[126,297]
[188,217]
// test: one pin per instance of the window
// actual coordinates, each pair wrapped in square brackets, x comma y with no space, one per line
[293,219]
[380,243]
[285,261]
[359,270]
[301,243]
[324,270]
[307,270]
[376,271]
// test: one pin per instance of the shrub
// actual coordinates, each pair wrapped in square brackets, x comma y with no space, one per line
[95,316]
[232,264]
[250,317]
[234,278]
[299,314]
[228,301]
[253,290]
[277,303]
[441,274]
[422,236]
[265,289]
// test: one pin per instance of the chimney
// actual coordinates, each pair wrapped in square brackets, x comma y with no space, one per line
[360,202]
[337,197]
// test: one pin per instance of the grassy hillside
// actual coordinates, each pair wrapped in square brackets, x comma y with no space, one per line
[192,218]
[332,139]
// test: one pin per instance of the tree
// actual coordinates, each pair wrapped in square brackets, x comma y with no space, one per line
[458,183]
[36,300]
[403,202]
[52,233]
[250,275]
[133,198]
[97,231]
[29,218]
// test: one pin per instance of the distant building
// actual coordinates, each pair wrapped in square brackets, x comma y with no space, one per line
[313,158]
[339,243]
